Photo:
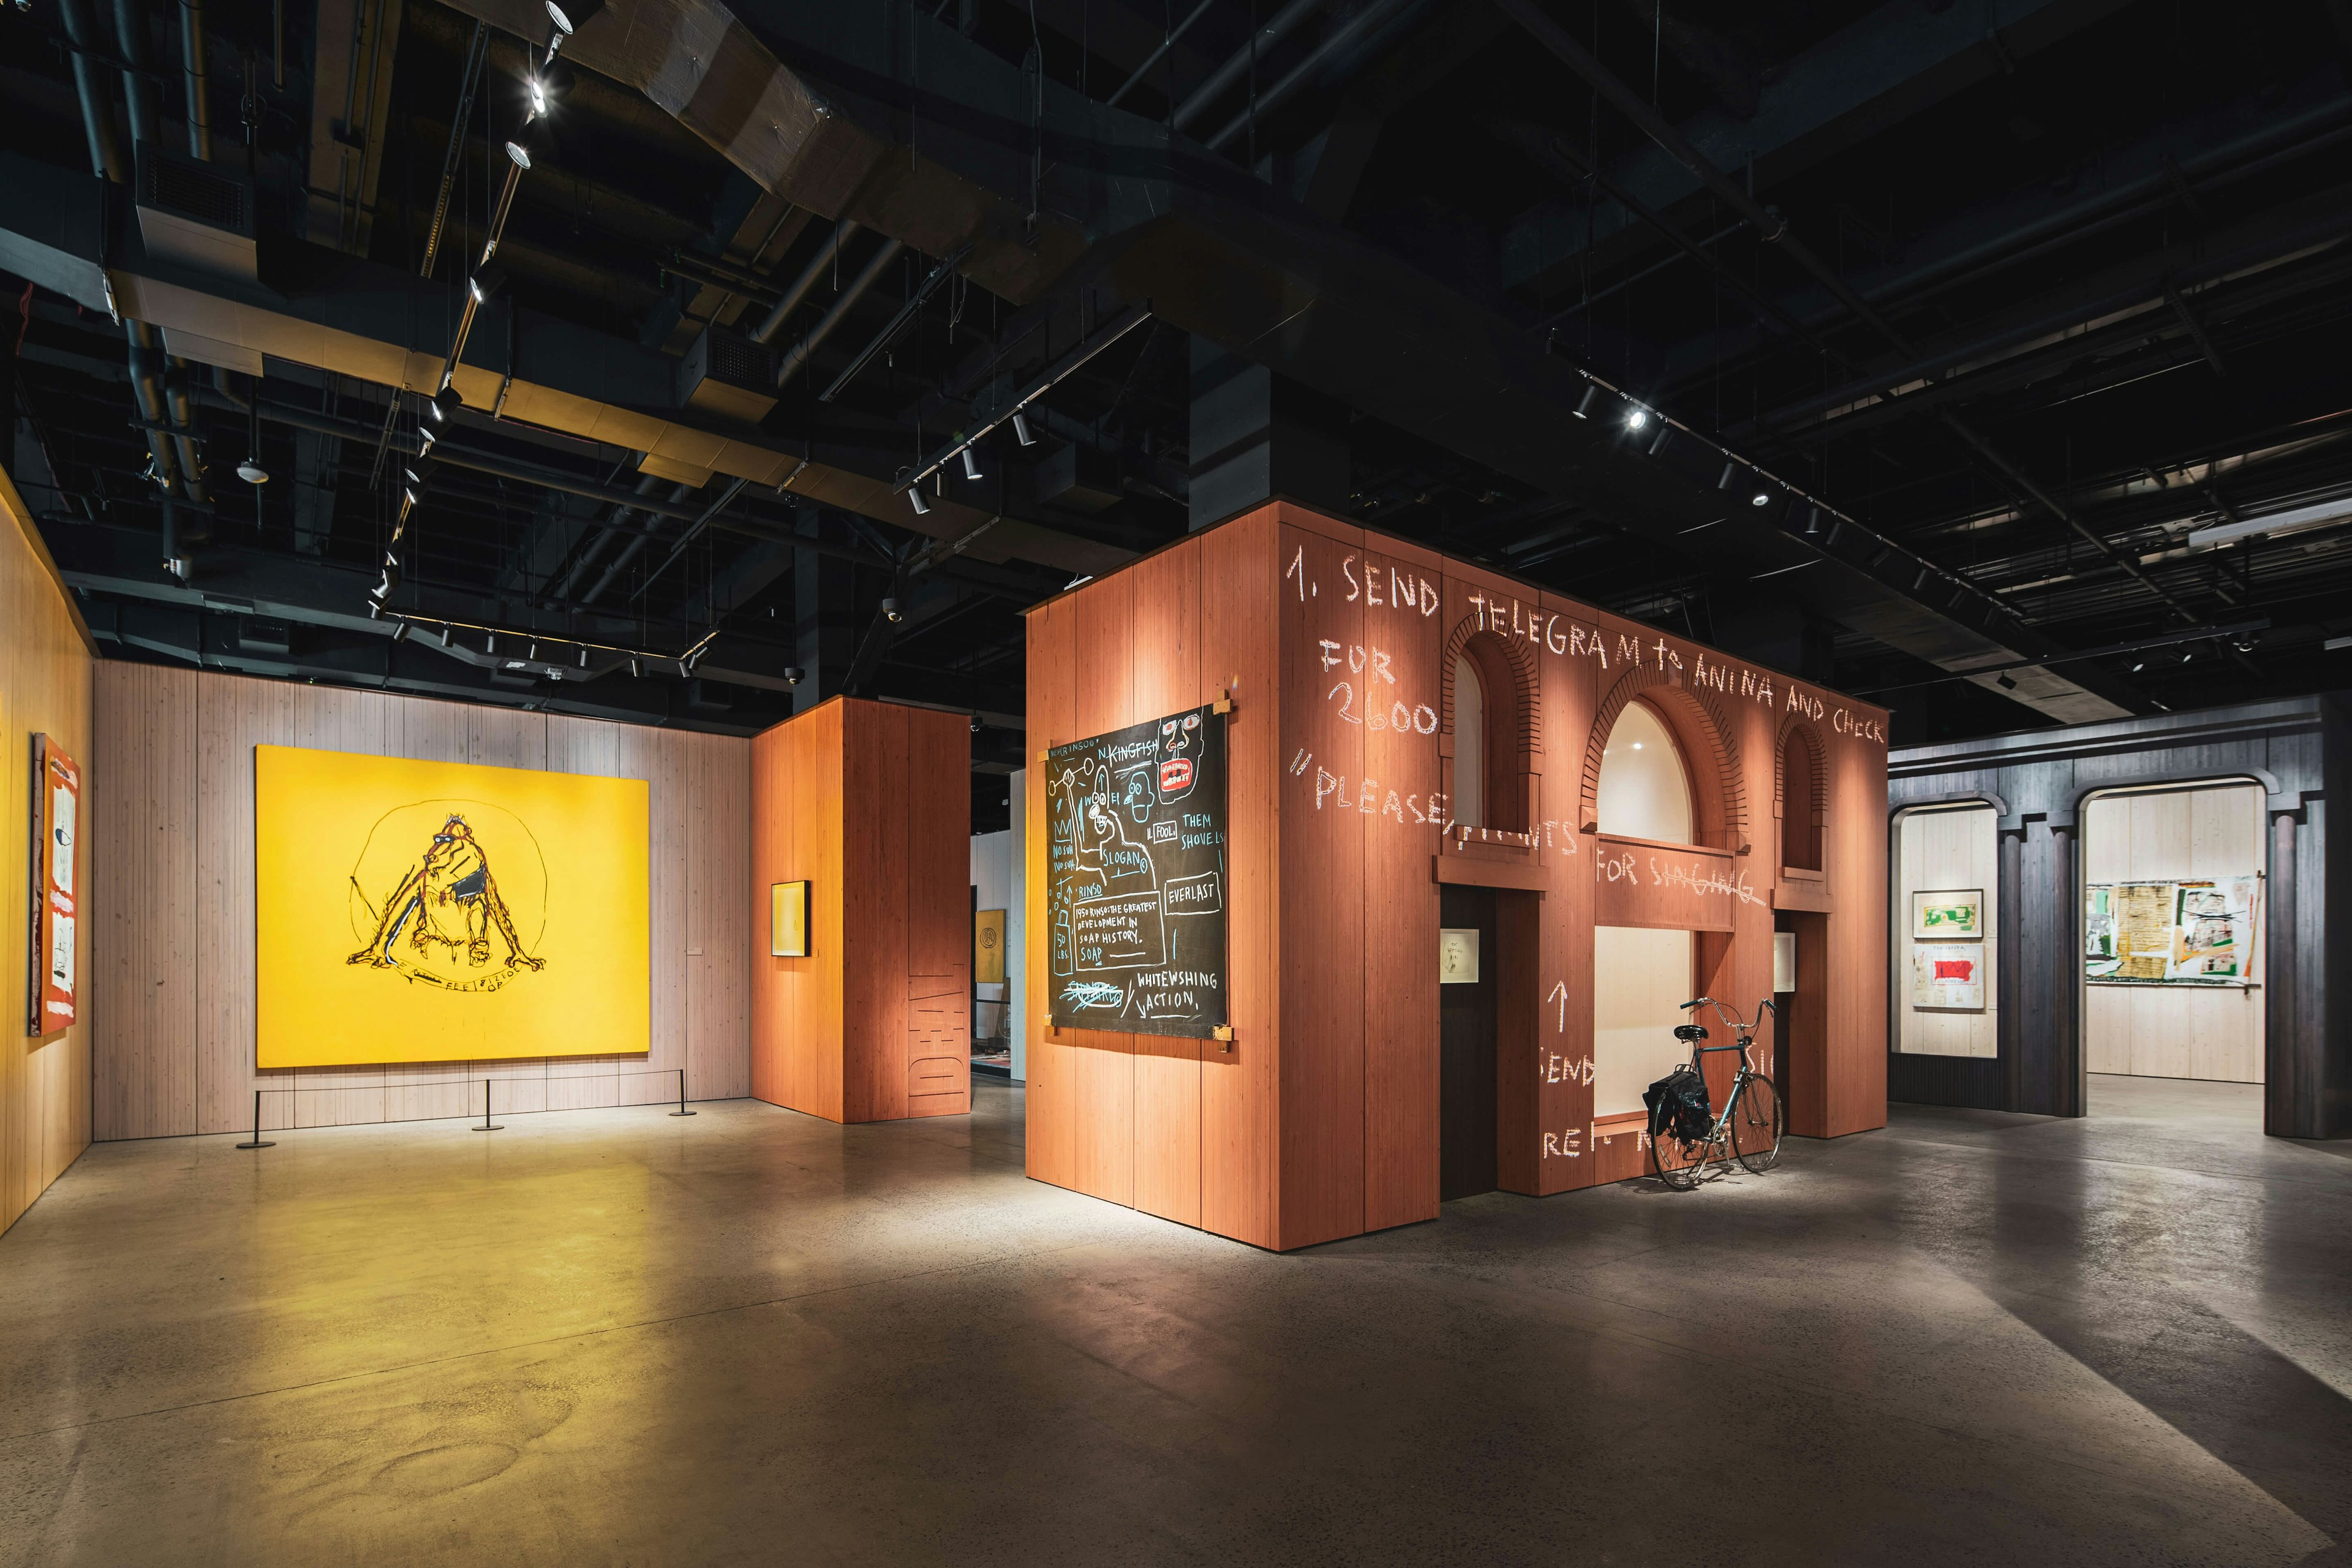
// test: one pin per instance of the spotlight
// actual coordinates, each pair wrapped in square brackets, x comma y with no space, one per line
[971,468]
[1665,434]
[635,668]
[534,652]
[444,637]
[792,673]
[399,630]
[1021,429]
[1636,419]
[518,154]
[682,671]
[538,97]
[252,473]
[1729,471]
[1583,409]
[1761,497]
[975,723]
[2187,654]
[444,403]
[1813,522]
[425,439]
[584,658]
[408,497]
[2140,666]
[413,480]
[490,643]
[915,494]
[555,15]
[890,609]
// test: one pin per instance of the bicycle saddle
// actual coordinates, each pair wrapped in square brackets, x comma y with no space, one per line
[1690,1032]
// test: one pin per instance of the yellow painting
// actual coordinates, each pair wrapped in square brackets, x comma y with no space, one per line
[988,947]
[411,911]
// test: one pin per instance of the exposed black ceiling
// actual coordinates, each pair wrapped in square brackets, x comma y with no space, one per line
[2025,297]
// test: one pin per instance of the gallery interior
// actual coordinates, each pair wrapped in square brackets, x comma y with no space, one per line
[1076,781]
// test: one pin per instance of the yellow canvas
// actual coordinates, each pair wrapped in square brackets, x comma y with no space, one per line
[440,912]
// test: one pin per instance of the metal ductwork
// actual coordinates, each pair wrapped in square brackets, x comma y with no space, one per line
[812,103]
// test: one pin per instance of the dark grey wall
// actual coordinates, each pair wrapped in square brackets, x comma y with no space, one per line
[2299,749]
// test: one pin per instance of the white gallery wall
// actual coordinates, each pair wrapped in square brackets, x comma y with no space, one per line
[1946,849]
[2176,1030]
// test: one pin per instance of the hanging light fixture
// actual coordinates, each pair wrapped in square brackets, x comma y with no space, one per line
[1583,409]
[971,468]
[1021,428]
[915,494]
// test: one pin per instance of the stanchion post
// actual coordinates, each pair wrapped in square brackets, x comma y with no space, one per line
[485,1126]
[257,1142]
[681,1109]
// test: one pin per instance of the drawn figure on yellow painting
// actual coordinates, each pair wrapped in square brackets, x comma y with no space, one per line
[446,923]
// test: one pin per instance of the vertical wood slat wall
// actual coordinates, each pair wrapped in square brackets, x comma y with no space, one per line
[1320,1118]
[870,803]
[45,688]
[171,814]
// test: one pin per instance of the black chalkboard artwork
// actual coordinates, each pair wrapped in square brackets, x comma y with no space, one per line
[1135,902]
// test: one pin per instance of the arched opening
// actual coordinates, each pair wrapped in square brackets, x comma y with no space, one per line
[1469,743]
[1641,976]
[1800,806]
[1645,790]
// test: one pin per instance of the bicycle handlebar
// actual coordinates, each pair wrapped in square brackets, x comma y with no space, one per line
[1731,1016]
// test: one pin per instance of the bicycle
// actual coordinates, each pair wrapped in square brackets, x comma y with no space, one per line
[1752,1118]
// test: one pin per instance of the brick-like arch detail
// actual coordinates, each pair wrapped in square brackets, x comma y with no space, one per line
[1519,656]
[1709,742]
[1817,753]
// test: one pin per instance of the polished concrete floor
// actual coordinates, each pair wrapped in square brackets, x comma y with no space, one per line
[613,1337]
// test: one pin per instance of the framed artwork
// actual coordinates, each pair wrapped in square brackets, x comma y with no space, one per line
[411,911]
[1457,956]
[53,970]
[788,933]
[2204,933]
[1951,916]
[1948,975]
[988,947]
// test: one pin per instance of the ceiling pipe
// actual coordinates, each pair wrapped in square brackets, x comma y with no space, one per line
[192,53]
[1279,26]
[603,539]
[1153,59]
[882,339]
[89,86]
[637,547]
[827,254]
[841,308]
[1339,39]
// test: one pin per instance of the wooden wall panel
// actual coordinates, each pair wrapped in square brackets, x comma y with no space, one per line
[1053,1108]
[1401,588]
[868,803]
[1570,697]
[203,806]
[1099,1064]
[1165,677]
[144,947]
[1320,866]
[1241,653]
[45,676]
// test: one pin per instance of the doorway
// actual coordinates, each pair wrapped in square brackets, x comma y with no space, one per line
[1467,1023]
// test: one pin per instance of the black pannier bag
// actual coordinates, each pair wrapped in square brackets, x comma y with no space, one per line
[1678,1104]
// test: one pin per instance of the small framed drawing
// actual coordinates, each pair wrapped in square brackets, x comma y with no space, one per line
[1947,975]
[1457,956]
[788,933]
[1956,916]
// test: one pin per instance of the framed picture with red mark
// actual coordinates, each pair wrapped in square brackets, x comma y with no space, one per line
[52,995]
[1948,975]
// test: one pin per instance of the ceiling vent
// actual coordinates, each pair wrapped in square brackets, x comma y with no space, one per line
[728,375]
[258,635]
[195,214]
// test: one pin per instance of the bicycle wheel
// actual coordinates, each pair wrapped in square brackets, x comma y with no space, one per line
[1757,1118]
[1678,1162]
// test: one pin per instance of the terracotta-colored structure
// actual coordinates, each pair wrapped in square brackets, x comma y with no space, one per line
[1320,1119]
[870,803]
